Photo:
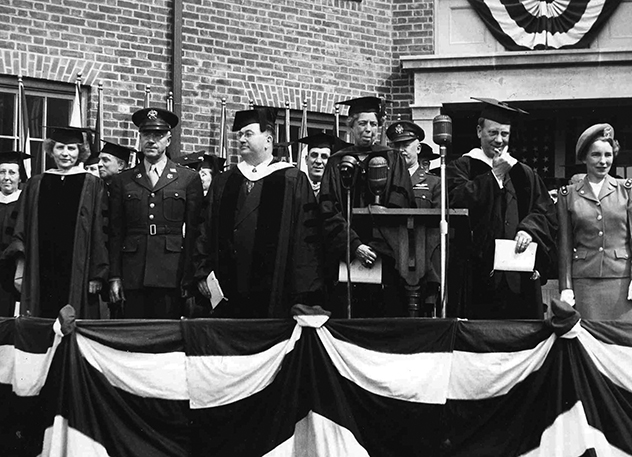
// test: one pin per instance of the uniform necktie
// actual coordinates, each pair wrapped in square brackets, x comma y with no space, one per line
[153,175]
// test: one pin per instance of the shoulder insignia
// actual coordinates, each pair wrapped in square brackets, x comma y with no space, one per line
[564,190]
[628,183]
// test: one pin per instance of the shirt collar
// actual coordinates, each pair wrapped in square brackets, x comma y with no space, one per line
[411,171]
[76,170]
[262,170]
[160,165]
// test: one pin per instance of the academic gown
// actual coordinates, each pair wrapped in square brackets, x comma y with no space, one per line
[87,257]
[8,215]
[494,213]
[263,245]
[369,300]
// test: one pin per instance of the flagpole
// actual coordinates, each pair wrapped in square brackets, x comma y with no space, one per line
[223,152]
[98,125]
[288,148]
[337,121]
[23,127]
[76,115]
[147,93]
[302,152]
[170,101]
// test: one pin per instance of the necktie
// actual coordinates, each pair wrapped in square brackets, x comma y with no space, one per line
[153,175]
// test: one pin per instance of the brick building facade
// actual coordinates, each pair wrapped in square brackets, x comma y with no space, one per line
[269,53]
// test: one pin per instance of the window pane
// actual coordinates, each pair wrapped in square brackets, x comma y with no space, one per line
[7,109]
[58,114]
[35,106]
[6,144]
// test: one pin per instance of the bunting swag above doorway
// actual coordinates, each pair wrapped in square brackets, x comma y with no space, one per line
[521,25]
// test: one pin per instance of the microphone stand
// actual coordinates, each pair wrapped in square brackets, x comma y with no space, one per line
[443,226]
[348,253]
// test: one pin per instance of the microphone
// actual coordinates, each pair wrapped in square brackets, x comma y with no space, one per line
[442,130]
[377,175]
[348,168]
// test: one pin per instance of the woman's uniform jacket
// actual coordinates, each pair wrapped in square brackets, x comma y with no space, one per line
[594,232]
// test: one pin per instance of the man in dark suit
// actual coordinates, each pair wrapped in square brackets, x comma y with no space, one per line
[154,209]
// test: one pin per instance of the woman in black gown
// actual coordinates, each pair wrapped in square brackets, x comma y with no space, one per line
[59,240]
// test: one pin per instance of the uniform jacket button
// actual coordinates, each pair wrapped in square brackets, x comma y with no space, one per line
[151,216]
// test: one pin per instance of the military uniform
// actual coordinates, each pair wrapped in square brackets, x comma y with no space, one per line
[154,225]
[594,242]
[427,189]
[148,248]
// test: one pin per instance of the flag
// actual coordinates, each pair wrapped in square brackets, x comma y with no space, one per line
[24,140]
[319,387]
[98,124]
[76,117]
[554,24]
[302,152]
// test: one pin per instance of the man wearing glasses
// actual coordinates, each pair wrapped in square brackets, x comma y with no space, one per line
[260,237]
[154,214]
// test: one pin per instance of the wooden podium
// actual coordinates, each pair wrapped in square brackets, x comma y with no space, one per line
[408,232]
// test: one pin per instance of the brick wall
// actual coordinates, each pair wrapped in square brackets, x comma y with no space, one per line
[268,52]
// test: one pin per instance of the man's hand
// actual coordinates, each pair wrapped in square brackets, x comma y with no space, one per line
[568,296]
[523,239]
[116,290]
[366,255]
[19,273]
[203,288]
[501,164]
[94,286]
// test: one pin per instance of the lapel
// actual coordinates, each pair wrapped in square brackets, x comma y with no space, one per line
[418,177]
[585,191]
[608,187]
[140,177]
[169,175]
[510,190]
[251,202]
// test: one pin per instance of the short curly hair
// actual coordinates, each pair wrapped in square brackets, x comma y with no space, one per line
[84,150]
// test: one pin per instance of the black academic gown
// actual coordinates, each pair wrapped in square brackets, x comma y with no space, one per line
[263,245]
[494,213]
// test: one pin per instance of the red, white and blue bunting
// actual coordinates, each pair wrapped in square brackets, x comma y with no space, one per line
[544,24]
[274,388]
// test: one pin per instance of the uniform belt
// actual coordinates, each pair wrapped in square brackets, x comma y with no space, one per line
[153,229]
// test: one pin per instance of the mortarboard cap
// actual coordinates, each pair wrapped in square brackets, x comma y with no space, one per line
[154,119]
[497,111]
[66,135]
[199,160]
[405,131]
[426,152]
[366,105]
[264,116]
[324,140]
[118,151]
[92,160]
[15,157]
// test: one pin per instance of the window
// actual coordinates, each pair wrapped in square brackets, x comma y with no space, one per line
[48,105]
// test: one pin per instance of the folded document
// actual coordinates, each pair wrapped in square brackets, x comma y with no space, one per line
[506,258]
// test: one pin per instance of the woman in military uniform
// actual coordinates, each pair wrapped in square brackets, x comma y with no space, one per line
[594,232]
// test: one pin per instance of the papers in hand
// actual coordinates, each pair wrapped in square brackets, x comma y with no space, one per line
[506,259]
[216,291]
[360,273]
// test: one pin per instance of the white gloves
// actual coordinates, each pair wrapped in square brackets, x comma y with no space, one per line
[568,296]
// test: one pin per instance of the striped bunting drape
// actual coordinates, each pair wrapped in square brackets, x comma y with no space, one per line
[544,24]
[378,387]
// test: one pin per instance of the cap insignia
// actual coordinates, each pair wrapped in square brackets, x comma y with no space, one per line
[607,132]
[399,129]
[152,114]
